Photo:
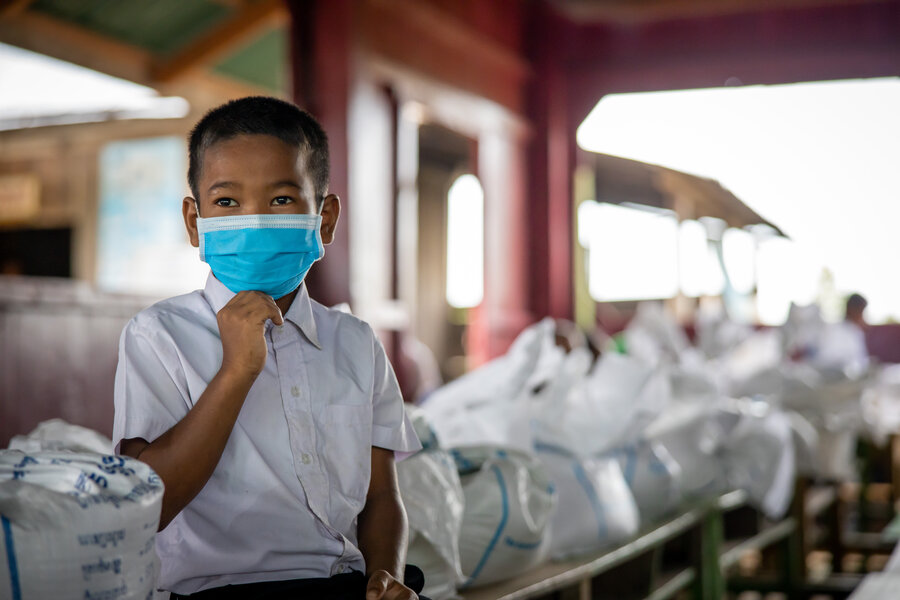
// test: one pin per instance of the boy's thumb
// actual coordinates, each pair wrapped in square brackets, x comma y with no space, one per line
[378,584]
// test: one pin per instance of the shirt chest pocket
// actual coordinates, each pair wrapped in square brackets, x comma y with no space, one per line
[348,445]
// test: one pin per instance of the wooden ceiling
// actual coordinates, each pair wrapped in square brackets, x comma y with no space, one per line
[234,47]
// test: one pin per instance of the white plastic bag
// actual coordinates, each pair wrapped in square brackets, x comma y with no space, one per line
[758,353]
[653,477]
[57,434]
[509,502]
[806,444]
[595,507]
[690,434]
[433,497]
[654,336]
[759,456]
[490,405]
[77,526]
[608,408]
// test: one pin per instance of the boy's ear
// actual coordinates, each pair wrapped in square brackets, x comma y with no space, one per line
[330,213]
[189,212]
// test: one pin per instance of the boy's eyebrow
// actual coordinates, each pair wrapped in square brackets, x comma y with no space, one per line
[285,183]
[231,184]
[221,184]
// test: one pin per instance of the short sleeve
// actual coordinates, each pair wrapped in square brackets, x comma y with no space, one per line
[391,427]
[150,389]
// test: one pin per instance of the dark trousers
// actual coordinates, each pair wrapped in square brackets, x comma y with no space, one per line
[346,586]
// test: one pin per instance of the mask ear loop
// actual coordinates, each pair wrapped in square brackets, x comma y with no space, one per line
[200,235]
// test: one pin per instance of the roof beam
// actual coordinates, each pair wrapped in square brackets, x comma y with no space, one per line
[54,38]
[629,11]
[45,35]
[246,22]
[10,8]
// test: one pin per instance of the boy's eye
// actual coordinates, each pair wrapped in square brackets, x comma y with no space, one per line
[225,202]
[282,200]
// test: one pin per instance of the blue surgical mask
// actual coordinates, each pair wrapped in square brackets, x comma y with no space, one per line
[267,253]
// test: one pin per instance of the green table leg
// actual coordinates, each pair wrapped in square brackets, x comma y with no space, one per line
[711,581]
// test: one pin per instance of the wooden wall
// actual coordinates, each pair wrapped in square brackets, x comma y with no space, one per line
[58,353]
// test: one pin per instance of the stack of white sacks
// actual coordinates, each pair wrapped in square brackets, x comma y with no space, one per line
[537,455]
[560,455]
[78,522]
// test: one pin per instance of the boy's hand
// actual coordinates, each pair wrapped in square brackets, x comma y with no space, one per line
[382,586]
[242,329]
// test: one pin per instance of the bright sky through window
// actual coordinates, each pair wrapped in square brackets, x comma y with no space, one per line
[739,256]
[39,90]
[698,266]
[820,160]
[631,253]
[465,242]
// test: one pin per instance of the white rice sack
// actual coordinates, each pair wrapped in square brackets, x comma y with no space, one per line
[653,477]
[759,455]
[654,336]
[836,455]
[691,435]
[756,356]
[422,426]
[893,564]
[695,379]
[77,526]
[489,406]
[57,434]
[608,408]
[803,329]
[509,502]
[595,507]
[433,497]
[806,444]
[717,334]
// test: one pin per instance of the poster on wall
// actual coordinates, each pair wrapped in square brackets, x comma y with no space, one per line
[142,246]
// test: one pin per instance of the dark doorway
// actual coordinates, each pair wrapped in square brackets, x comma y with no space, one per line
[443,156]
[40,252]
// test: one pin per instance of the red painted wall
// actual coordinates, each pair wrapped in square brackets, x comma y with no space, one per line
[764,47]
[568,68]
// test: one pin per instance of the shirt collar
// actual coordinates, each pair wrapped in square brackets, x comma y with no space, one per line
[300,313]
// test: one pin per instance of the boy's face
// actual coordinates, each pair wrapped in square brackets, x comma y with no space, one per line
[252,175]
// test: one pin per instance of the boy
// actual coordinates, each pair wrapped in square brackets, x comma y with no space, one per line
[272,420]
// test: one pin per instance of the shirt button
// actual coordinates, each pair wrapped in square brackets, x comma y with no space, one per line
[295,392]
[306,458]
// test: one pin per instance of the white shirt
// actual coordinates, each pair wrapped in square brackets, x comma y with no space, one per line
[283,501]
[842,346]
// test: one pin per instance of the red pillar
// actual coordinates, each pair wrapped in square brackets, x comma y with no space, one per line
[552,160]
[321,42]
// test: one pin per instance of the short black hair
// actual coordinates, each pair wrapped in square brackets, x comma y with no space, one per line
[267,116]
[856,302]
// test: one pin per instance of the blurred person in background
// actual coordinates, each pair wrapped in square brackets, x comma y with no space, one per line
[843,345]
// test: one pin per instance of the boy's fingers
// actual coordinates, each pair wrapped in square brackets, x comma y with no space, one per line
[273,312]
[378,584]
[258,304]
[277,317]
[398,591]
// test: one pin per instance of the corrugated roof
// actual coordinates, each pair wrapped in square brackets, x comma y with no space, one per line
[620,180]
[239,39]
[161,26]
